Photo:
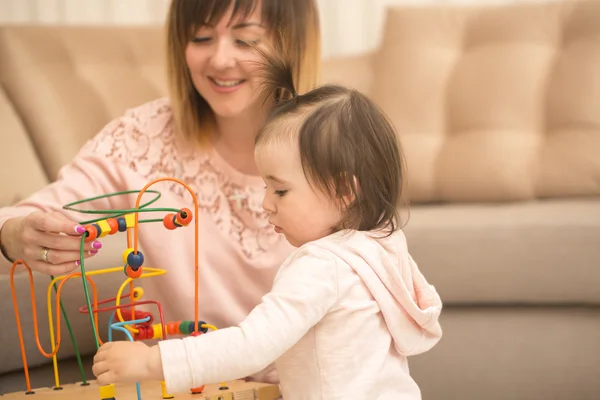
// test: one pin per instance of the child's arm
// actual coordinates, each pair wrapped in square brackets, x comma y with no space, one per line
[303,292]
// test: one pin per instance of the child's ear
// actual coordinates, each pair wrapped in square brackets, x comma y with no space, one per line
[348,189]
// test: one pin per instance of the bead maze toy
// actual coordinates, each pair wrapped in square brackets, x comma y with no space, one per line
[135,324]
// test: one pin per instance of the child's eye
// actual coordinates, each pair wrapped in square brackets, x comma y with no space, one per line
[280,193]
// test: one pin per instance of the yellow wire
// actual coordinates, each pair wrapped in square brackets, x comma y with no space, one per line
[50,320]
[151,272]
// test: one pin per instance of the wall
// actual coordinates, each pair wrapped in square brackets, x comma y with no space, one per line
[349,26]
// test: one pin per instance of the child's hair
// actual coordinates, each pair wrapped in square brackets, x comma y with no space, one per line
[348,147]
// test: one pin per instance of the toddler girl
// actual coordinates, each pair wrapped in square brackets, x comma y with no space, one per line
[349,305]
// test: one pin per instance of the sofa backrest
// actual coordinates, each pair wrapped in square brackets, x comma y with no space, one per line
[21,172]
[68,82]
[494,102]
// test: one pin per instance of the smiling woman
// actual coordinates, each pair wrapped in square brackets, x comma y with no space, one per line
[203,135]
[211,40]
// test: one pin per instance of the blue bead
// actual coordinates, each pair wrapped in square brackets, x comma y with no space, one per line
[135,260]
[122,224]
[98,229]
[200,328]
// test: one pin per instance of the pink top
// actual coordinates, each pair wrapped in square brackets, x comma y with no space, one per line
[343,315]
[239,253]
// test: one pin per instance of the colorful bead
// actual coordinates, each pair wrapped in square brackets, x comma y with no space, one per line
[184,217]
[197,390]
[200,328]
[133,273]
[173,328]
[138,293]
[135,260]
[144,332]
[186,327]
[108,391]
[130,220]
[114,225]
[175,221]
[194,334]
[168,222]
[91,233]
[122,224]
[126,254]
[157,331]
[104,228]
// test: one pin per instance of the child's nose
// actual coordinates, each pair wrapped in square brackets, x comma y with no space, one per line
[268,204]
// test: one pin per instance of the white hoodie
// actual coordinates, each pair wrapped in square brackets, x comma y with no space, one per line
[344,314]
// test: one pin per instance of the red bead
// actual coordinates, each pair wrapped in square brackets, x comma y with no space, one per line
[131,273]
[168,222]
[184,217]
[114,225]
[142,333]
[92,233]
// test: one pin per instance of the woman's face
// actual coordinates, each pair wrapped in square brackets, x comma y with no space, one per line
[216,57]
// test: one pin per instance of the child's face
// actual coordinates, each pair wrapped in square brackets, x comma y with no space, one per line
[298,211]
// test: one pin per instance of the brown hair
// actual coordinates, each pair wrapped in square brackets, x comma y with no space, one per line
[348,147]
[191,113]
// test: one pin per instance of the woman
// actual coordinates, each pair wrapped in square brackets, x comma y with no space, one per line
[204,136]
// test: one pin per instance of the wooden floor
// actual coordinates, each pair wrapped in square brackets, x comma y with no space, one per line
[238,390]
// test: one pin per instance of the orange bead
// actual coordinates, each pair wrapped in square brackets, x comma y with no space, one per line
[184,217]
[197,390]
[173,328]
[168,222]
[114,225]
[131,273]
[92,233]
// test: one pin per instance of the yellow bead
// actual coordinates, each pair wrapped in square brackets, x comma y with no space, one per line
[130,220]
[108,391]
[126,254]
[138,293]
[157,329]
[104,227]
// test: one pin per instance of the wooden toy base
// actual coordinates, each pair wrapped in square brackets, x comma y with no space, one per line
[238,390]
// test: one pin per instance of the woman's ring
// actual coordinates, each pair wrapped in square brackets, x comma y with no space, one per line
[45,251]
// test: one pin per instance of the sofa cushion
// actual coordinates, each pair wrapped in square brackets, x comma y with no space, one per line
[494,102]
[538,252]
[67,82]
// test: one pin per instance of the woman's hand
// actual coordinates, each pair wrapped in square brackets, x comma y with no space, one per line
[48,242]
[127,362]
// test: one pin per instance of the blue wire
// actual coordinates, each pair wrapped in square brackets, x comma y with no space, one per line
[119,327]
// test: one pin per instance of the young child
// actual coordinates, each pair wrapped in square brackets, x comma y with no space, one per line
[349,305]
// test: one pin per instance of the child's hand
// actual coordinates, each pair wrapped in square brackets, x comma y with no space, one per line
[127,362]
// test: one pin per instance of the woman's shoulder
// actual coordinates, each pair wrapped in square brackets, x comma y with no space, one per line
[149,123]
[143,137]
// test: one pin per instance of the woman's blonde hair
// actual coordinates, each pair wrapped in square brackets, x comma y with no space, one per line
[302,41]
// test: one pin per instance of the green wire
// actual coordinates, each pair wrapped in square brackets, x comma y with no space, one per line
[87,295]
[71,334]
[117,213]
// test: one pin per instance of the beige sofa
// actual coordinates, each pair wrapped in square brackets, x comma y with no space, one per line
[499,112]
